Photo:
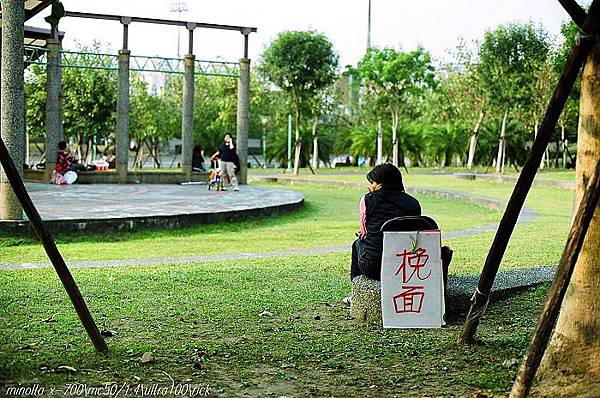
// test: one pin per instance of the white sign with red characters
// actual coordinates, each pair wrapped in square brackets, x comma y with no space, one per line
[412,283]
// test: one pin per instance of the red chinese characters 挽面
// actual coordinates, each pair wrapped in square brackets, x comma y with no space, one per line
[412,296]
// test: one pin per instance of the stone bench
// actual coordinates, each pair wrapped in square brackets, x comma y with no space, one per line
[366,293]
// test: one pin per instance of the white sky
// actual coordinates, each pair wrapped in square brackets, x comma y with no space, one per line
[435,24]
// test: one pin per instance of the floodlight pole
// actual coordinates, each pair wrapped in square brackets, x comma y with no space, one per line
[369,27]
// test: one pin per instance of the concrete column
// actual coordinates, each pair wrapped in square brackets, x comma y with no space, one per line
[122,133]
[187,116]
[243,106]
[12,112]
[54,126]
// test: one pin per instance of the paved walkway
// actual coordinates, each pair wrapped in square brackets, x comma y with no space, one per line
[109,201]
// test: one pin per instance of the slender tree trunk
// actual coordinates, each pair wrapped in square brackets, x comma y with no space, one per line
[315,159]
[535,133]
[140,156]
[78,147]
[156,152]
[473,142]
[89,150]
[501,144]
[379,143]
[571,365]
[298,142]
[395,118]
[563,146]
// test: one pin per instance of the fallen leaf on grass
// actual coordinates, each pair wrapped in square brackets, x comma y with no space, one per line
[265,313]
[509,363]
[148,357]
[27,347]
[65,369]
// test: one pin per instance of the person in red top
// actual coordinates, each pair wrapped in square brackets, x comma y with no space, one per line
[65,158]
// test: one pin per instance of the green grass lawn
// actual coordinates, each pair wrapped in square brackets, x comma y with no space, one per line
[201,322]
[538,243]
[330,217]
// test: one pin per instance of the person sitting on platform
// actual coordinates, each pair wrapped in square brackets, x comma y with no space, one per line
[198,159]
[66,161]
[66,166]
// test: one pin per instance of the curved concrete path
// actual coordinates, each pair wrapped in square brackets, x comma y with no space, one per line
[527,215]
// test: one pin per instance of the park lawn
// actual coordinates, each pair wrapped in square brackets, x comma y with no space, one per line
[329,218]
[201,322]
[537,243]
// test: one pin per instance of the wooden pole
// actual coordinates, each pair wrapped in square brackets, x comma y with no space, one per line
[577,57]
[575,11]
[50,246]
[579,228]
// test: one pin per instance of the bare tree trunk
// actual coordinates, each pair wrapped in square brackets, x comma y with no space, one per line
[501,144]
[395,138]
[139,164]
[89,150]
[571,364]
[78,147]
[563,146]
[473,142]
[298,143]
[379,143]
[156,152]
[535,133]
[315,159]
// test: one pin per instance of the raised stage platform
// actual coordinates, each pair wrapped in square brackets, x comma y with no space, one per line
[130,207]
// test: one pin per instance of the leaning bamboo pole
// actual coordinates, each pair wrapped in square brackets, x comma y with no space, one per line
[577,234]
[577,57]
[50,246]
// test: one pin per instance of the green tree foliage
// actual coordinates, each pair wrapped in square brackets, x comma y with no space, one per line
[89,100]
[397,80]
[301,64]
[154,119]
[35,99]
[510,59]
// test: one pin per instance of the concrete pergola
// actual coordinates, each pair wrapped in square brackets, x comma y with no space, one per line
[14,38]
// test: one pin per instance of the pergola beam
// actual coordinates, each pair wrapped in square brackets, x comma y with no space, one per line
[36,10]
[111,17]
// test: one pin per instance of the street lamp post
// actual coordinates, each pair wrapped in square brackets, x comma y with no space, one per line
[179,7]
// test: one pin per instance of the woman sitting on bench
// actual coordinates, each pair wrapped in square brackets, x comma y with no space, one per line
[386,199]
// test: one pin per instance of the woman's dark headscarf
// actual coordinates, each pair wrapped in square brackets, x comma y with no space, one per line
[388,176]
